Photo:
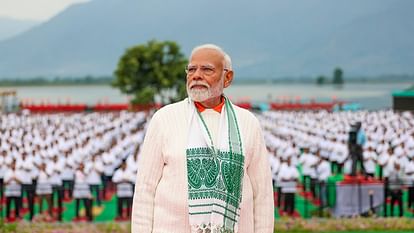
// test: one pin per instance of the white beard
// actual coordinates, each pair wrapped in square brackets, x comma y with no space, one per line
[200,95]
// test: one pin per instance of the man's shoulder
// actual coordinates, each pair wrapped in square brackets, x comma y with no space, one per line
[170,112]
[172,108]
[245,115]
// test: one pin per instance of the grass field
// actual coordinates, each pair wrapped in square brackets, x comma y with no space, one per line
[285,225]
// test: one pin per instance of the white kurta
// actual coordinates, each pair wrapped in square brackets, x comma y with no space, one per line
[81,187]
[160,198]
[13,188]
[124,180]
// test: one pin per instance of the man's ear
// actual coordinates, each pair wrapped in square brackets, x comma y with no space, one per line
[228,78]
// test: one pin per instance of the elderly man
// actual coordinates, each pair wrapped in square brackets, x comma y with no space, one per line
[204,165]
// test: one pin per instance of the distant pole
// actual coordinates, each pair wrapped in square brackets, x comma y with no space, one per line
[371,200]
[359,197]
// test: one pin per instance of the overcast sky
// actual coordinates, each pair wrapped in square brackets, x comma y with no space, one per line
[39,10]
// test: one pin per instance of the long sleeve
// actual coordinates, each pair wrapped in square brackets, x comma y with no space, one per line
[261,180]
[151,167]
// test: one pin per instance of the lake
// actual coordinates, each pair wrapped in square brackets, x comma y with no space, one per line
[370,96]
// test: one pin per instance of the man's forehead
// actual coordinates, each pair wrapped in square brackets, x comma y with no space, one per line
[207,55]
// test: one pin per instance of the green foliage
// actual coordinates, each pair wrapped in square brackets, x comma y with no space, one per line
[155,68]
[338,76]
[321,80]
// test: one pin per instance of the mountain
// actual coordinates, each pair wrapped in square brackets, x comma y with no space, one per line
[267,38]
[377,43]
[12,27]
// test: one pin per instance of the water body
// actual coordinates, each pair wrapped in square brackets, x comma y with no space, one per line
[370,96]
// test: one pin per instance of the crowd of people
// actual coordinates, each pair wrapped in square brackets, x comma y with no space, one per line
[49,157]
[318,144]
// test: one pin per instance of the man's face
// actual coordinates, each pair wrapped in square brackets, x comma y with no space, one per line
[206,77]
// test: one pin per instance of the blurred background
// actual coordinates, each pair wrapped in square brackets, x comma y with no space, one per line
[65,58]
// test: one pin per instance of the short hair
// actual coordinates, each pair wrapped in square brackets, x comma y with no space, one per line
[227,58]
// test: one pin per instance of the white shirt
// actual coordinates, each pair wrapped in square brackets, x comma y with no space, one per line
[25,167]
[308,161]
[55,170]
[288,176]
[370,158]
[94,168]
[409,171]
[44,184]
[323,170]
[13,187]
[124,180]
[81,187]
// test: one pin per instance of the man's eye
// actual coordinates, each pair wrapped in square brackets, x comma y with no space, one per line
[208,70]
[191,69]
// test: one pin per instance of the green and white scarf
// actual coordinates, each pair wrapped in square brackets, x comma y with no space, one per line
[215,172]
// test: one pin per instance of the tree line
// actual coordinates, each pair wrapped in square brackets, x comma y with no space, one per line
[337,78]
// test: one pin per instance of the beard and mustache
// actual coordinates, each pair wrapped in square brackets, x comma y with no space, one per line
[205,92]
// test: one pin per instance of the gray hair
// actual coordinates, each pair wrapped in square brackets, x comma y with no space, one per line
[227,59]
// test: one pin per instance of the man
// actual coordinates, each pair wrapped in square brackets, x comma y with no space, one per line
[355,147]
[54,168]
[396,182]
[308,161]
[82,192]
[95,169]
[25,165]
[370,160]
[204,165]
[44,189]
[13,180]
[289,176]
[409,174]
[124,180]
[323,171]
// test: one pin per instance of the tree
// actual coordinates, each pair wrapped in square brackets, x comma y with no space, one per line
[338,76]
[321,80]
[155,68]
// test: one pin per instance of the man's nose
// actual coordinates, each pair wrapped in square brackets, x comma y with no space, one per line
[198,75]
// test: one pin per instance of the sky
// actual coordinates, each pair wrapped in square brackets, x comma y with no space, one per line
[38,10]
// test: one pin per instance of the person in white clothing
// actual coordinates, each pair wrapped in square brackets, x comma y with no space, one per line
[341,151]
[124,179]
[132,160]
[95,170]
[396,181]
[274,164]
[323,170]
[289,176]
[211,153]
[370,161]
[25,166]
[308,162]
[55,168]
[3,169]
[409,174]
[108,159]
[82,192]
[44,189]
[13,180]
[68,174]
[383,160]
